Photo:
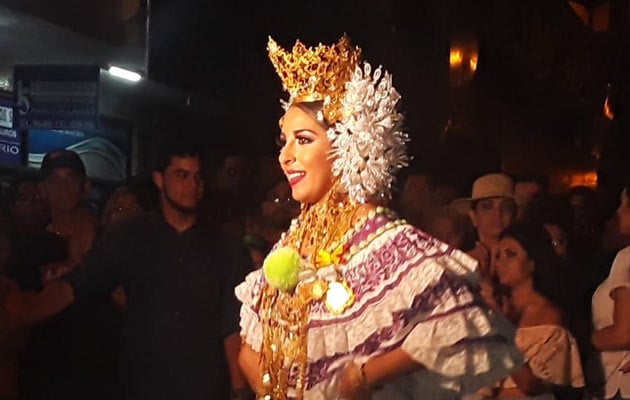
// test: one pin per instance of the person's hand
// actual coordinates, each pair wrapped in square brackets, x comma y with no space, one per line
[353,385]
[249,362]
[482,255]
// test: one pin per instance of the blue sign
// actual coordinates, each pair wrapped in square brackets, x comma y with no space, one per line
[56,97]
[10,147]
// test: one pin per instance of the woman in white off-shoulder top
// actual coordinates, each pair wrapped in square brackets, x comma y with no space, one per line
[525,265]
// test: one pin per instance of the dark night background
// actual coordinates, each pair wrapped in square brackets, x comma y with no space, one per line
[538,91]
[545,68]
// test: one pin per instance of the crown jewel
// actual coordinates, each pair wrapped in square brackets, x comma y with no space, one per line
[316,73]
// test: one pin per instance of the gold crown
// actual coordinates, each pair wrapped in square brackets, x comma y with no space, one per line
[319,73]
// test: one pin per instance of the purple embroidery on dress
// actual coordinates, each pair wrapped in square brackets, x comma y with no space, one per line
[319,370]
[369,227]
[374,274]
[427,301]
[421,310]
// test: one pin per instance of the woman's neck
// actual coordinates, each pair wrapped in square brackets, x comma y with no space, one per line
[489,242]
[522,295]
[322,226]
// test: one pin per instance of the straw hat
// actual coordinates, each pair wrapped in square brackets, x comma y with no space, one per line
[487,186]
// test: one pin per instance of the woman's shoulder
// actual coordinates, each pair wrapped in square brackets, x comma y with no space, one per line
[541,312]
[624,253]
[622,259]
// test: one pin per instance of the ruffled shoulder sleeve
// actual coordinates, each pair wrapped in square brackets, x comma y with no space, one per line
[420,295]
[249,293]
[552,354]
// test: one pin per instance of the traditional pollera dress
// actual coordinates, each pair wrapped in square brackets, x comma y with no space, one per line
[411,292]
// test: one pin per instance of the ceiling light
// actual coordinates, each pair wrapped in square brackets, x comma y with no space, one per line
[124,74]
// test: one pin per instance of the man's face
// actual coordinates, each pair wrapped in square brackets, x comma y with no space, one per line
[64,189]
[490,216]
[181,184]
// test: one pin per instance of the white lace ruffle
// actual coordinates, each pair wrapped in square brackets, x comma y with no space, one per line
[248,293]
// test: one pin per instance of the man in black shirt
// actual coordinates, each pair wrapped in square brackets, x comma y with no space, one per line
[181,316]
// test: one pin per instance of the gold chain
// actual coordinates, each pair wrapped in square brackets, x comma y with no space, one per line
[321,226]
[285,316]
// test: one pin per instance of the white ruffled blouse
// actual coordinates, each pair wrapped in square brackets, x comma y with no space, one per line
[411,292]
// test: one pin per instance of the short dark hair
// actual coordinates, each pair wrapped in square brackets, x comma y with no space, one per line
[177,147]
[62,158]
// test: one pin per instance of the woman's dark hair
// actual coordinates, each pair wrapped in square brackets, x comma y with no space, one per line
[551,273]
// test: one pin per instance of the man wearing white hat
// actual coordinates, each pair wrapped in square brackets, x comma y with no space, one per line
[491,208]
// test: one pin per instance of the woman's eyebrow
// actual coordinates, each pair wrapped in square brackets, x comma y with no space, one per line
[300,130]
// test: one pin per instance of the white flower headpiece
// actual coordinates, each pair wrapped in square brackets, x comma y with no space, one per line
[368,144]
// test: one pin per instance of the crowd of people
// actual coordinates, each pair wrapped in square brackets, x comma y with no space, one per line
[544,262]
[352,282]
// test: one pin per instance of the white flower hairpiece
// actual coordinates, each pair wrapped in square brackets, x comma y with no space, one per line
[368,144]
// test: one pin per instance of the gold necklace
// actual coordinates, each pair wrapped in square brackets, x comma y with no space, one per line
[285,315]
[321,226]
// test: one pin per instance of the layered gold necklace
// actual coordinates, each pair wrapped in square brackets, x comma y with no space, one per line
[317,235]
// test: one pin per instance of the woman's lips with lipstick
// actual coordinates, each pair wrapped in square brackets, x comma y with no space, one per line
[294,177]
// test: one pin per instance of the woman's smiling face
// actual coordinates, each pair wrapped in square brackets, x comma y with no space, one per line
[304,156]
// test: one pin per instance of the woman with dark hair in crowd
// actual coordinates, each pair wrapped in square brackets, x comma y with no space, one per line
[609,371]
[555,215]
[526,265]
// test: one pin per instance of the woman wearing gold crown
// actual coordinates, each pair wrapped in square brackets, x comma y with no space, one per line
[352,302]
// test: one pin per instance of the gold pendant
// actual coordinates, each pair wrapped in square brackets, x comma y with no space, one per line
[311,291]
[339,296]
